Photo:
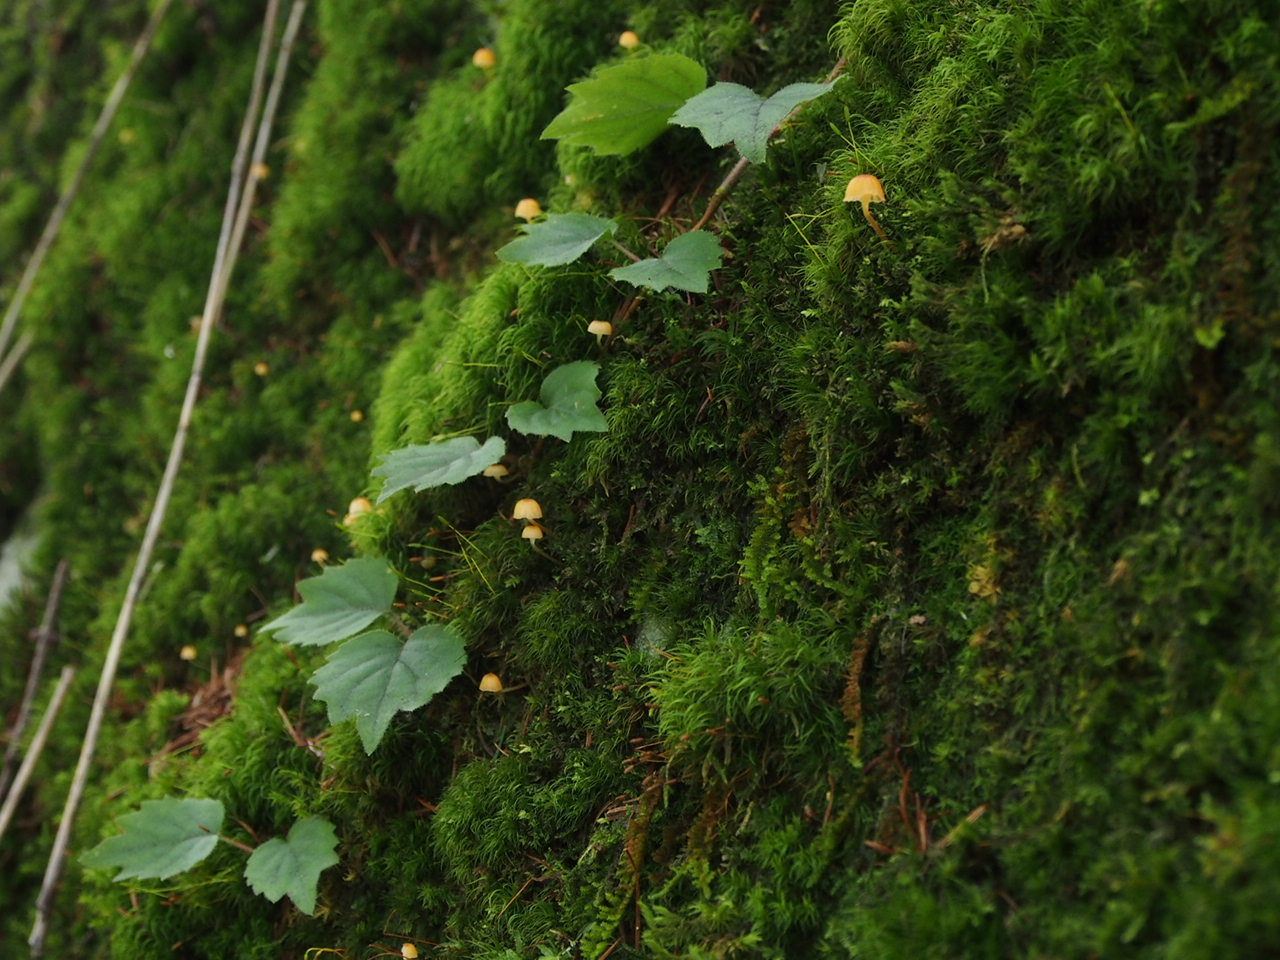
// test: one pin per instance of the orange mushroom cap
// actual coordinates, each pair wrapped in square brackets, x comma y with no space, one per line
[864,188]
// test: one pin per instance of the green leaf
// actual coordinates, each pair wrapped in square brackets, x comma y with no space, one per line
[293,865]
[557,239]
[685,264]
[729,112]
[568,396]
[162,838]
[437,464]
[622,108]
[375,675]
[341,601]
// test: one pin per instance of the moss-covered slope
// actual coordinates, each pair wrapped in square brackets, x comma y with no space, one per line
[919,601]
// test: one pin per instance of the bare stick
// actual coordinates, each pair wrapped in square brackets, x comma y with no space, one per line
[213,304]
[43,640]
[13,358]
[37,746]
[59,214]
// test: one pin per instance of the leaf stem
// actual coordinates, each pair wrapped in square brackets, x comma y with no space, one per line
[626,252]
[236,843]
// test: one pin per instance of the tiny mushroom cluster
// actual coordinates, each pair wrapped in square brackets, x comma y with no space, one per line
[530,511]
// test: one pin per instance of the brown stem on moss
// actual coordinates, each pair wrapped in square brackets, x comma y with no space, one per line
[236,843]
[722,191]
[51,229]
[234,220]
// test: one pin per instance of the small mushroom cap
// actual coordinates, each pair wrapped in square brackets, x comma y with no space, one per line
[360,506]
[601,328]
[527,509]
[489,683]
[628,40]
[319,555]
[484,58]
[495,470]
[241,630]
[409,951]
[532,532]
[528,209]
[864,188]
[262,368]
[188,653]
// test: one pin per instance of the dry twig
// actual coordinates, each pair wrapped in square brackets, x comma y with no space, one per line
[36,748]
[44,637]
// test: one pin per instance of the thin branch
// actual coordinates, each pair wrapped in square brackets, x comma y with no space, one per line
[36,748]
[44,637]
[59,214]
[223,261]
[14,358]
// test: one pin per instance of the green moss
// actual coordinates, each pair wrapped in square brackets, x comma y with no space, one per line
[919,599]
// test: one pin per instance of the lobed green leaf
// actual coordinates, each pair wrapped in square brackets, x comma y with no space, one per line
[568,404]
[338,603]
[293,865]
[732,113]
[375,675]
[444,463]
[685,264]
[557,239]
[625,107]
[160,839]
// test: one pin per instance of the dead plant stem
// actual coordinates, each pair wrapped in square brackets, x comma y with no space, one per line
[44,637]
[37,747]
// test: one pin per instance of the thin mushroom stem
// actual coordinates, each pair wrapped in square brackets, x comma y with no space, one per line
[866,212]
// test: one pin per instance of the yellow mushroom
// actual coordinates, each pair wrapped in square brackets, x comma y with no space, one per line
[491,683]
[527,509]
[601,328]
[319,555]
[628,40]
[495,471]
[528,209]
[532,532]
[409,951]
[357,509]
[484,58]
[241,630]
[262,368]
[188,653]
[866,190]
